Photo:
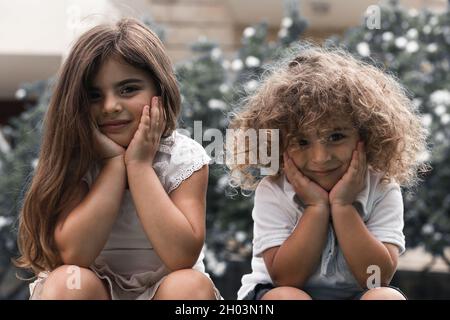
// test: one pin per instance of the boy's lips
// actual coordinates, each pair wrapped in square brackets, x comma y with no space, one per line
[323,172]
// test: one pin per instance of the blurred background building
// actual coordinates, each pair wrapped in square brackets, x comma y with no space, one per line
[35,35]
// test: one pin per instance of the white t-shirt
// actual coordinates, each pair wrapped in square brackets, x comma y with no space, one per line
[277,211]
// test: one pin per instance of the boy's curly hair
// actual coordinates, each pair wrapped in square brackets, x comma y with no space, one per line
[313,84]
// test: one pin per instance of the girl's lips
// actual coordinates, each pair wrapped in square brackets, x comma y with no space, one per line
[114,127]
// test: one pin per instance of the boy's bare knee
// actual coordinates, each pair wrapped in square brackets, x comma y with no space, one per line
[286,293]
[73,282]
[186,284]
[382,293]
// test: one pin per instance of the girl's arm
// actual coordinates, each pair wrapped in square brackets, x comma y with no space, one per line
[360,248]
[292,263]
[175,224]
[83,229]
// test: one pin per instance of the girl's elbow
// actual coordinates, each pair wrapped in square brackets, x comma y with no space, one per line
[179,264]
[72,258]
[184,261]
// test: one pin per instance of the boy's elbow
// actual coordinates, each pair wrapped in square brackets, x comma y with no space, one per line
[382,279]
[282,279]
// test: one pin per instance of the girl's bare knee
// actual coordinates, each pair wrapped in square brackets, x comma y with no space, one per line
[286,293]
[72,282]
[186,284]
[382,293]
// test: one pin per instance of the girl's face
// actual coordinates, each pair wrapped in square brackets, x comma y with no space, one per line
[117,96]
[324,155]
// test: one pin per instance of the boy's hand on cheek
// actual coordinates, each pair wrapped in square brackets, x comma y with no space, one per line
[353,181]
[145,143]
[307,190]
[105,147]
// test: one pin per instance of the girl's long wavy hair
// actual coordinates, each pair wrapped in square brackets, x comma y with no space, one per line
[301,91]
[67,152]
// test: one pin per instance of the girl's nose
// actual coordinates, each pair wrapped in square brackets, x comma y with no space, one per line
[111,105]
[320,153]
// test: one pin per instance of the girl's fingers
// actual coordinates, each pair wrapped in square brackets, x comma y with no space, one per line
[162,112]
[154,114]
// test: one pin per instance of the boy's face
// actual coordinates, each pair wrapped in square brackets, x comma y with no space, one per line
[119,92]
[324,153]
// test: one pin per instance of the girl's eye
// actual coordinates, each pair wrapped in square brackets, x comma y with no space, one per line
[336,137]
[128,90]
[94,96]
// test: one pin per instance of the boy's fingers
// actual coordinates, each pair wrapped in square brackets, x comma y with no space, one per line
[145,115]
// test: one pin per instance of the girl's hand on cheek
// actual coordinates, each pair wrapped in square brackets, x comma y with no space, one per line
[353,181]
[307,190]
[145,143]
[105,147]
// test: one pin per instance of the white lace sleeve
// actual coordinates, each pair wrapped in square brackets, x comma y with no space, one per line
[187,157]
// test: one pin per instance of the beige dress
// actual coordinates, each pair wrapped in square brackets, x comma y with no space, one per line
[128,263]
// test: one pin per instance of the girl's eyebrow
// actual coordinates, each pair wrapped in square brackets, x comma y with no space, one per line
[127,81]
[122,82]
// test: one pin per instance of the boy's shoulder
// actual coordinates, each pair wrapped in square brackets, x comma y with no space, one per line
[375,191]
[378,184]
[274,183]
[276,186]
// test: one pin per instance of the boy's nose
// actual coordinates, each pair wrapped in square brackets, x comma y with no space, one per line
[320,153]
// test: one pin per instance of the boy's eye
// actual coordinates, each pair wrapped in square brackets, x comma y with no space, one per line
[302,142]
[336,137]
[296,143]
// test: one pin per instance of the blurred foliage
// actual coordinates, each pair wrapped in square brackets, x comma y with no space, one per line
[415,47]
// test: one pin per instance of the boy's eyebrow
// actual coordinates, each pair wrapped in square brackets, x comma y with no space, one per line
[335,129]
[341,129]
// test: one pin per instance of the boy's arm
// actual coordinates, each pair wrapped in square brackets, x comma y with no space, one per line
[175,224]
[360,248]
[84,227]
[292,263]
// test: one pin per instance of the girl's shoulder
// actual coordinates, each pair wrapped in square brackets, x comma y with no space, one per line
[186,157]
[183,149]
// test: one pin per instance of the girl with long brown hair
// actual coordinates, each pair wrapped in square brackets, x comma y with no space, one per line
[116,207]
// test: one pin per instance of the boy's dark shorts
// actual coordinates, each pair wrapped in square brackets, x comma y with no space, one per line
[262,288]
